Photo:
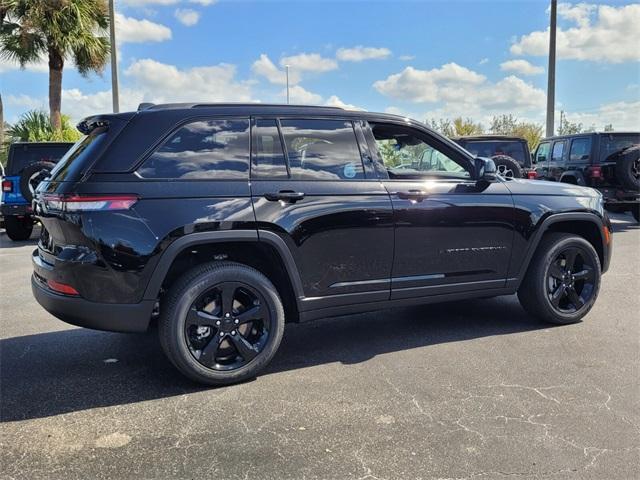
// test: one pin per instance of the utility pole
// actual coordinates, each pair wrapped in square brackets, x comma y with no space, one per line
[114,60]
[551,70]
[287,70]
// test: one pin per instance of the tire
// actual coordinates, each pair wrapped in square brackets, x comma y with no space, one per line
[17,228]
[31,176]
[507,166]
[212,354]
[542,280]
[628,167]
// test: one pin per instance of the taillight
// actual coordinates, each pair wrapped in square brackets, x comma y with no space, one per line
[89,203]
[595,171]
[532,175]
[7,186]
[62,288]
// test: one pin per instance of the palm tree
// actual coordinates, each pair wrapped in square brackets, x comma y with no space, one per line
[59,30]
[34,126]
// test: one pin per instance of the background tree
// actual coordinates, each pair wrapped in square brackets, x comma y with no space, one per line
[568,127]
[531,132]
[59,30]
[443,126]
[503,125]
[35,126]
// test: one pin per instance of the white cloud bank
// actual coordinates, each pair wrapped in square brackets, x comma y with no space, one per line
[360,53]
[132,30]
[522,67]
[612,37]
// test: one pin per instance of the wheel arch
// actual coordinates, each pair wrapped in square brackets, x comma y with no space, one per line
[573,177]
[265,252]
[586,225]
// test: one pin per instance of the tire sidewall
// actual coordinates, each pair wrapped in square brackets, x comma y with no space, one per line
[185,360]
[557,316]
[28,172]
[510,163]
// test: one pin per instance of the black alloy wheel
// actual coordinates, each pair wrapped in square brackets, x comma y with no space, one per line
[221,322]
[563,279]
[227,326]
[571,280]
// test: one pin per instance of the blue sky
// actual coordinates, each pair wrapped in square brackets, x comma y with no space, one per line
[425,59]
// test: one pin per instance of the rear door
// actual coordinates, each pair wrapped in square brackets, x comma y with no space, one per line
[558,161]
[310,187]
[451,234]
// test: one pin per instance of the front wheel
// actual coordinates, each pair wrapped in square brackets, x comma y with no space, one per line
[18,228]
[221,323]
[563,279]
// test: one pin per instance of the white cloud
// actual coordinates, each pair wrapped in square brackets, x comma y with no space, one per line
[167,83]
[360,53]
[459,91]
[622,115]
[309,62]
[428,85]
[204,3]
[132,30]
[40,66]
[406,58]
[334,101]
[299,95]
[483,61]
[266,68]
[521,66]
[187,16]
[611,38]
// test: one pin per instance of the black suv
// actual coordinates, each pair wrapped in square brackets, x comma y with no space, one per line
[510,154]
[226,221]
[609,162]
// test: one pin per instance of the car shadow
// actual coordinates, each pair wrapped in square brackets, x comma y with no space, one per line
[6,242]
[65,371]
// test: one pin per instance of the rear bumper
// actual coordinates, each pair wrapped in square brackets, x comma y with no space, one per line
[8,209]
[112,317]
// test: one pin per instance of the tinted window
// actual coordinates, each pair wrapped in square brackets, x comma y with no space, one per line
[558,149]
[206,149]
[580,149]
[322,150]
[269,156]
[82,153]
[483,148]
[542,154]
[406,154]
[24,155]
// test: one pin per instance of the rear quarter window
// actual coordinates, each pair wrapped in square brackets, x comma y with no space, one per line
[79,156]
[214,149]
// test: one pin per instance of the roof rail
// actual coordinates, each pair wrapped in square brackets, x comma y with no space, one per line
[259,104]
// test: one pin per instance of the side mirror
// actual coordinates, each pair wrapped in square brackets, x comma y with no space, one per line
[485,169]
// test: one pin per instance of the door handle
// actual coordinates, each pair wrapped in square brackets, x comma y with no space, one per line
[284,195]
[415,195]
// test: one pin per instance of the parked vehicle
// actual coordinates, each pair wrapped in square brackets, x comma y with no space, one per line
[608,162]
[226,221]
[27,165]
[510,154]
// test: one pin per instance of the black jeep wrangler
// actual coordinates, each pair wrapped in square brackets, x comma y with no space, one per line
[608,162]
[510,154]
[226,221]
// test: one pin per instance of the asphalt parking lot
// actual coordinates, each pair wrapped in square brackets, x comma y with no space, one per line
[472,389]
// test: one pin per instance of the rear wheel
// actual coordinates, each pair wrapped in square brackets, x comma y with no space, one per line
[221,323]
[18,228]
[563,279]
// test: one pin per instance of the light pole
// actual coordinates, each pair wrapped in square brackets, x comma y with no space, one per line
[114,60]
[551,70]
[286,67]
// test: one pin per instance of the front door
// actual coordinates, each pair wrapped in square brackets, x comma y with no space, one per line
[311,187]
[452,233]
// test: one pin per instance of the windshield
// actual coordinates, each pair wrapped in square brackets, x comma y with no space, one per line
[80,154]
[490,148]
[610,144]
[23,155]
